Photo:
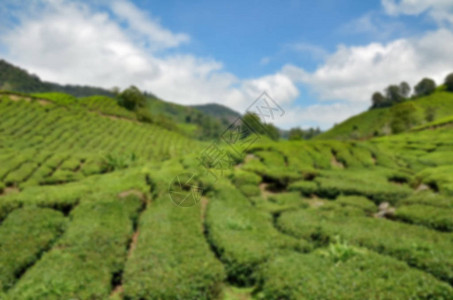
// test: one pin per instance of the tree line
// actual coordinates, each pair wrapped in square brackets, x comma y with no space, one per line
[397,93]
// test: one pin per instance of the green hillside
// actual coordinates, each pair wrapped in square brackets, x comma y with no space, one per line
[202,122]
[88,209]
[218,111]
[378,122]
[13,78]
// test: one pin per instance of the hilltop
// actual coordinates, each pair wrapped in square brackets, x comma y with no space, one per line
[218,111]
[13,78]
[405,116]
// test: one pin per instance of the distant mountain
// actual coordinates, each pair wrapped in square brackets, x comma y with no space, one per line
[13,78]
[190,120]
[218,111]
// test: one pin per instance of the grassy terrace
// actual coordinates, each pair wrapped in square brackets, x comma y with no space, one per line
[85,212]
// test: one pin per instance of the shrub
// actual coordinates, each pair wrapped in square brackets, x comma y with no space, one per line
[361,275]
[144,115]
[132,98]
[420,247]
[306,188]
[172,259]
[428,198]
[241,177]
[24,235]
[70,164]
[250,190]
[371,184]
[271,158]
[429,216]
[404,117]
[357,201]
[20,174]
[288,200]
[83,262]
[243,237]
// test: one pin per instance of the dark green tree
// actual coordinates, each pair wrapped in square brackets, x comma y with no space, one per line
[253,121]
[425,87]
[296,134]
[449,82]
[405,89]
[393,94]
[378,100]
[132,98]
[272,131]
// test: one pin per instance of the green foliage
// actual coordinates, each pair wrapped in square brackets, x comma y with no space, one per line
[43,144]
[132,98]
[241,177]
[430,114]
[24,235]
[251,121]
[394,94]
[360,275]
[420,247]
[83,262]
[306,188]
[370,184]
[378,100]
[378,120]
[288,200]
[357,201]
[428,198]
[172,259]
[113,162]
[58,98]
[243,237]
[296,134]
[439,218]
[425,87]
[404,117]
[250,190]
[449,82]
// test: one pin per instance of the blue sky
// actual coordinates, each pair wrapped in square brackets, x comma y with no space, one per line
[321,60]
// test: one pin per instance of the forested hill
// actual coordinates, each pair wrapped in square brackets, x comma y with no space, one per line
[408,115]
[13,78]
[218,111]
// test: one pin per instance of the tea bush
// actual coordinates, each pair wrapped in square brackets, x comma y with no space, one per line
[24,236]
[364,275]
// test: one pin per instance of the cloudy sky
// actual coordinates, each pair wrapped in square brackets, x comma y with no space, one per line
[320,60]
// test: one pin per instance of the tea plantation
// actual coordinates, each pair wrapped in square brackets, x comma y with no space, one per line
[86,213]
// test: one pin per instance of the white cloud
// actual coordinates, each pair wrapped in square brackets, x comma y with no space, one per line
[375,25]
[324,115]
[353,73]
[316,52]
[440,10]
[70,42]
[139,22]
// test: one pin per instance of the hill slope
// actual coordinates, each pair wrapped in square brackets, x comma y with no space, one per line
[13,78]
[218,111]
[377,122]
